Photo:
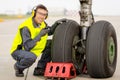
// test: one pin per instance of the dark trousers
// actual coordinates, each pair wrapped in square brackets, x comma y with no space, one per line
[25,58]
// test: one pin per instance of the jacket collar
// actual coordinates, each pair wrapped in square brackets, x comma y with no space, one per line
[35,24]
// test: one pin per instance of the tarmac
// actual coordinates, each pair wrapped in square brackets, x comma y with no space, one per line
[8,29]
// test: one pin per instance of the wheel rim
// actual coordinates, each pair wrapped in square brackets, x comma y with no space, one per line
[111,50]
[76,56]
[74,48]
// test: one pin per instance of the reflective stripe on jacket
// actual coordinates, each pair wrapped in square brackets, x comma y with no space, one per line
[40,45]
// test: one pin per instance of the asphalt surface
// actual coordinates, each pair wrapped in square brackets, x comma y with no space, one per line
[8,29]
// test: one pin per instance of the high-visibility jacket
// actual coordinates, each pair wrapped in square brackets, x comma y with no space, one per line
[40,45]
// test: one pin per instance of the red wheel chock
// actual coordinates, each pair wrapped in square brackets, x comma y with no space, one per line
[60,70]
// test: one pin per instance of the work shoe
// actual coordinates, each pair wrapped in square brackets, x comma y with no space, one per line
[38,71]
[18,72]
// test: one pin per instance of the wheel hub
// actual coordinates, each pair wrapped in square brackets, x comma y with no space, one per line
[111,50]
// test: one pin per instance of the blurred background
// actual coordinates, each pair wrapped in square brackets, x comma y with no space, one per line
[22,8]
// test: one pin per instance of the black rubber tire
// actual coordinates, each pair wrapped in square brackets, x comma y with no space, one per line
[101,42]
[65,36]
[63,40]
